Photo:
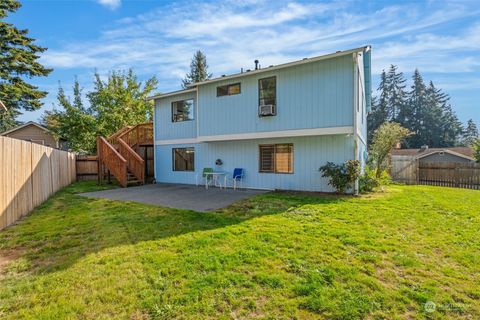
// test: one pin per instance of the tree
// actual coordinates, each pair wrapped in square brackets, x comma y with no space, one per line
[395,92]
[113,104]
[379,113]
[391,101]
[476,149]
[416,112]
[120,101]
[384,139]
[470,135]
[198,70]
[425,110]
[74,124]
[18,61]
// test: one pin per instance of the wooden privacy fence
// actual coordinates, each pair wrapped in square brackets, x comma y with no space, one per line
[458,175]
[87,168]
[448,174]
[29,174]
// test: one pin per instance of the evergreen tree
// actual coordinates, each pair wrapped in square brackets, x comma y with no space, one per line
[379,113]
[432,116]
[452,127]
[18,61]
[395,86]
[198,70]
[470,135]
[416,111]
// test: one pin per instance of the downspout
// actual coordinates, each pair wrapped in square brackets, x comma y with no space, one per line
[355,128]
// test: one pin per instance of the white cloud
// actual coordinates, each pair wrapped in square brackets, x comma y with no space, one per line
[112,4]
[233,34]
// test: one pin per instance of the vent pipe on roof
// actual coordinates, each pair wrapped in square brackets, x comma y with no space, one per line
[424,147]
[256,65]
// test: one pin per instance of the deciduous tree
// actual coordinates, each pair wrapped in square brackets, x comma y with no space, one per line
[384,139]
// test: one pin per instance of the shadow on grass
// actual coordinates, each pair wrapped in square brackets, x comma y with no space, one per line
[68,227]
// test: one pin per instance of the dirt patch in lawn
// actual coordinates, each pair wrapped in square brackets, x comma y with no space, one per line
[7,256]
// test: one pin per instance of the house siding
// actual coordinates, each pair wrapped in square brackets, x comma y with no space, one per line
[309,154]
[313,95]
[165,129]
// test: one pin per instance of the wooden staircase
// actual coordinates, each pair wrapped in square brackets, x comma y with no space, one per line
[119,154]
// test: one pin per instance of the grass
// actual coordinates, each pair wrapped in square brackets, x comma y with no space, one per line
[275,256]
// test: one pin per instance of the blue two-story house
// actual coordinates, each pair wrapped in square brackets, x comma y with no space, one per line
[280,123]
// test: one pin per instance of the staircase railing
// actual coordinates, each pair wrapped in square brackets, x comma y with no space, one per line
[113,160]
[117,152]
[113,138]
[141,134]
[135,163]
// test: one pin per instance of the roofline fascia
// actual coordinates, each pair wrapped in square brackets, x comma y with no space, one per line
[169,94]
[446,151]
[23,126]
[284,65]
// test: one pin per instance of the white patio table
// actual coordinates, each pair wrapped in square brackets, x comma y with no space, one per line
[216,175]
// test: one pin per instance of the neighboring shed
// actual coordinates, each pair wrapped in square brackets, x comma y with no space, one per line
[34,132]
[426,154]
[405,163]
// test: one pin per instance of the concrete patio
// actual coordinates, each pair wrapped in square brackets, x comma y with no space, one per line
[179,196]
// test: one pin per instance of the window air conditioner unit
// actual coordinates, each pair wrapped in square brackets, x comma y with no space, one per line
[266,110]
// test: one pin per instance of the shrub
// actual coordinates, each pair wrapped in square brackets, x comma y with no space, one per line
[369,180]
[341,176]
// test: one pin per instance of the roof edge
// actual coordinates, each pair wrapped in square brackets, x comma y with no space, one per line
[283,65]
[172,93]
[445,151]
[23,126]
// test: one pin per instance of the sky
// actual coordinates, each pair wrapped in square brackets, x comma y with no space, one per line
[158,38]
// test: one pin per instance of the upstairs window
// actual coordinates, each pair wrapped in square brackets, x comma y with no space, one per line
[267,96]
[228,90]
[276,158]
[183,159]
[183,110]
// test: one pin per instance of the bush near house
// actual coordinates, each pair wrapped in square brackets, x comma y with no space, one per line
[408,253]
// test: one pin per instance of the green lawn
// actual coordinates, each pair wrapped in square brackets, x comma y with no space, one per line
[275,256]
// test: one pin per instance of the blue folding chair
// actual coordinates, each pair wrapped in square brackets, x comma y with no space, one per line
[237,178]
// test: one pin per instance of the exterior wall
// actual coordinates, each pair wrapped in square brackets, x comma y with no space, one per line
[445,157]
[313,95]
[34,133]
[361,100]
[165,129]
[309,154]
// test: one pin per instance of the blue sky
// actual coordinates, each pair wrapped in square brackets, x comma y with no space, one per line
[441,39]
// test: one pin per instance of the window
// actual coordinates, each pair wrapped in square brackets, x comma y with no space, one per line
[267,91]
[276,158]
[228,90]
[183,110]
[183,159]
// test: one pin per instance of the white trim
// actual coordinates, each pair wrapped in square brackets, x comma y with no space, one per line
[262,135]
[446,151]
[177,141]
[23,126]
[284,65]
[173,93]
